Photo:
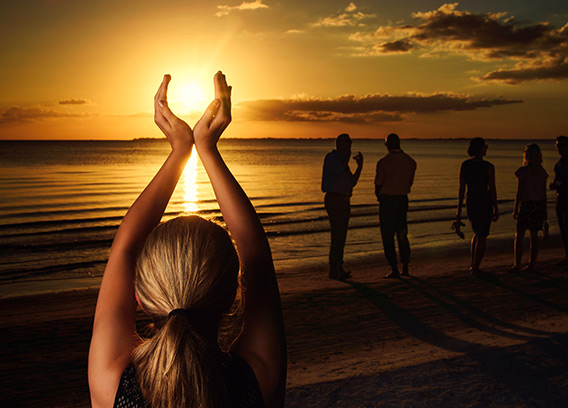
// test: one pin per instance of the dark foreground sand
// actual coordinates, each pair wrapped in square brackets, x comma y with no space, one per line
[442,338]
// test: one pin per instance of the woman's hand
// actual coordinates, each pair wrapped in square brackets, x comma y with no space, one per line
[178,132]
[216,117]
[495,214]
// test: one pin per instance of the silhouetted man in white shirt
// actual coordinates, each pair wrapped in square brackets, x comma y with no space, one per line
[395,175]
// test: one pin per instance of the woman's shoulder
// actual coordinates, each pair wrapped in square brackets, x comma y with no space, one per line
[521,171]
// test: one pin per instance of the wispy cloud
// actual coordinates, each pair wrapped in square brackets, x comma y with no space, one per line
[372,108]
[75,102]
[349,16]
[540,50]
[22,115]
[251,5]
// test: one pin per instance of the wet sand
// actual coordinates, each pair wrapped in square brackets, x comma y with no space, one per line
[440,338]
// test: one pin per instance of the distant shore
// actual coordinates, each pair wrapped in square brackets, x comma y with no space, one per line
[441,338]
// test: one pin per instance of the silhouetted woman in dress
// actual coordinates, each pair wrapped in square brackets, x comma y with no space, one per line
[477,176]
[185,274]
[530,204]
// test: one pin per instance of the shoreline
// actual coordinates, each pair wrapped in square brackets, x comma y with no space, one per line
[500,244]
[440,338]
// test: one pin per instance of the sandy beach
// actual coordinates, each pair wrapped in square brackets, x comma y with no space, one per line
[441,338]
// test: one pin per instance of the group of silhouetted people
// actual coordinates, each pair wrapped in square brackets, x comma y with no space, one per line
[395,176]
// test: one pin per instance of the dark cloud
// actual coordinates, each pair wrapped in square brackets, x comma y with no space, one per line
[15,114]
[487,37]
[75,102]
[372,108]
[555,70]
[397,46]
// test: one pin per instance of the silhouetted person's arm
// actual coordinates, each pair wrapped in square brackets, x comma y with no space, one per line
[378,180]
[461,194]
[493,192]
[377,191]
[359,159]
[520,190]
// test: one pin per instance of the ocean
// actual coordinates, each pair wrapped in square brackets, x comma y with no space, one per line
[62,201]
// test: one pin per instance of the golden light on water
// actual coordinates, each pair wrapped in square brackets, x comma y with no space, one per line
[190,195]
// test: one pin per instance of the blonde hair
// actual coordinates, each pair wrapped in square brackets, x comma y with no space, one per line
[186,263]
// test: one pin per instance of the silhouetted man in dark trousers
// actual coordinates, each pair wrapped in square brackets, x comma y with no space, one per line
[395,175]
[338,182]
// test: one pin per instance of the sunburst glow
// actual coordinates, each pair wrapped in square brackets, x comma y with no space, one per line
[188,97]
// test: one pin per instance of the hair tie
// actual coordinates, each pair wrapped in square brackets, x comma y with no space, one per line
[182,312]
[199,319]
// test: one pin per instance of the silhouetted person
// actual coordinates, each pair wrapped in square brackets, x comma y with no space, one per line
[338,182]
[481,202]
[530,204]
[560,184]
[394,177]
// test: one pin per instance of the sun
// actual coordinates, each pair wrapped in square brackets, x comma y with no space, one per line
[188,96]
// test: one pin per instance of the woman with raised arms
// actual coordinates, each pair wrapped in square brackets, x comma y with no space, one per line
[184,273]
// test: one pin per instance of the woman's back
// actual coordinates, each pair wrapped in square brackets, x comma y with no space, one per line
[534,182]
[476,172]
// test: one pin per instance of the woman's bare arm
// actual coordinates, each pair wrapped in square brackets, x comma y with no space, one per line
[493,192]
[262,342]
[461,194]
[114,335]
[518,196]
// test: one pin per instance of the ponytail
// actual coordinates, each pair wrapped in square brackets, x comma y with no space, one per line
[186,280]
[178,367]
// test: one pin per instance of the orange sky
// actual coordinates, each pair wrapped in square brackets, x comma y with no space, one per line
[89,69]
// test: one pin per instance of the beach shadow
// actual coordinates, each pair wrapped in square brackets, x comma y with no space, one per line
[497,362]
[423,287]
[544,281]
[456,382]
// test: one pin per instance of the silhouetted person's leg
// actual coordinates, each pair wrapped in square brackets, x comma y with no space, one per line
[519,236]
[472,250]
[480,224]
[338,211]
[402,232]
[481,243]
[534,249]
[562,214]
[387,214]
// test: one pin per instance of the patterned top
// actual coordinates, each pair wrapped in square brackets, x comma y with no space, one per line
[242,386]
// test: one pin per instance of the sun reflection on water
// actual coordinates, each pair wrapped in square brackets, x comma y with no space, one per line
[190,195]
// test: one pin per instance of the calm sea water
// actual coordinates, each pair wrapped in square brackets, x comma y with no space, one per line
[61,201]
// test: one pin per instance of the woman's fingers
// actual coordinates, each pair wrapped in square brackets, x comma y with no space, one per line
[161,97]
[160,100]
[210,112]
[223,93]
